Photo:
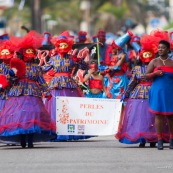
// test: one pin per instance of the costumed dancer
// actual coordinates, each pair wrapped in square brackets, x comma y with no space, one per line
[95,81]
[7,52]
[115,79]
[24,118]
[161,92]
[138,124]
[62,83]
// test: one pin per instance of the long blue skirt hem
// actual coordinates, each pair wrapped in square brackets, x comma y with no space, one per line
[39,134]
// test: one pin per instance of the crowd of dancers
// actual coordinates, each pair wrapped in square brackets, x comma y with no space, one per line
[36,68]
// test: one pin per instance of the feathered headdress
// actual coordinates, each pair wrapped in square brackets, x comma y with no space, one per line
[7,49]
[31,40]
[27,45]
[149,46]
[160,34]
[64,37]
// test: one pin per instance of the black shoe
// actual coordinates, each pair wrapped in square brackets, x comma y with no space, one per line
[141,145]
[23,144]
[23,141]
[152,144]
[30,140]
[30,146]
[171,144]
[160,145]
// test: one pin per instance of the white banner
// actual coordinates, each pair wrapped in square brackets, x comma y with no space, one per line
[87,116]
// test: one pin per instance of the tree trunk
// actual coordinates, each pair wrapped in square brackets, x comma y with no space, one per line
[36,15]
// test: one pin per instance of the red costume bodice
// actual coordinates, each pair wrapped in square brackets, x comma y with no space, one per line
[95,83]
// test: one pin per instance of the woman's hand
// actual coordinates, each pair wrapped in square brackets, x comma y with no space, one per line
[91,71]
[152,75]
[158,73]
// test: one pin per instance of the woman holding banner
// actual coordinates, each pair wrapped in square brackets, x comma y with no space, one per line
[62,83]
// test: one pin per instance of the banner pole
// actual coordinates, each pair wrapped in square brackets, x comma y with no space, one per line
[98,51]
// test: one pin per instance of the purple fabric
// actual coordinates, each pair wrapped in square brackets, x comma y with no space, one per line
[2,104]
[139,122]
[23,113]
[51,107]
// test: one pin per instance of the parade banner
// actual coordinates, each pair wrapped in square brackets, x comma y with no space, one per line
[87,116]
[82,48]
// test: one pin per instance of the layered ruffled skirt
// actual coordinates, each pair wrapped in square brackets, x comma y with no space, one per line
[137,124]
[26,115]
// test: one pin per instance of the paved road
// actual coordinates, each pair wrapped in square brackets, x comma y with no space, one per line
[95,155]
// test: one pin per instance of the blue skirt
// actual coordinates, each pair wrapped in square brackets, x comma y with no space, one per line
[161,95]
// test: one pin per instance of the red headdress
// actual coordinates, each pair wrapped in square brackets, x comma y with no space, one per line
[82,35]
[29,43]
[160,34]
[101,34]
[7,49]
[63,42]
[149,47]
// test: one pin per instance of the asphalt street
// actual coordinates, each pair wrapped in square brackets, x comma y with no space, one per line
[94,155]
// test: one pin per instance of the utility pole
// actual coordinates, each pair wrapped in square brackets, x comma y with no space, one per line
[36,15]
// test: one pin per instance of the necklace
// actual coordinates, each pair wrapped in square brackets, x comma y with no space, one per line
[163,60]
